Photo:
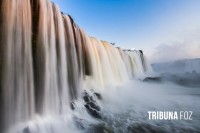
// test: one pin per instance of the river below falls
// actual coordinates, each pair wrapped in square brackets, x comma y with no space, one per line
[124,109]
[127,111]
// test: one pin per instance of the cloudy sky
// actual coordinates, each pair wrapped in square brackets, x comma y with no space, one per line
[164,29]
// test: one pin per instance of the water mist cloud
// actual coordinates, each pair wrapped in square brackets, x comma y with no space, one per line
[186,48]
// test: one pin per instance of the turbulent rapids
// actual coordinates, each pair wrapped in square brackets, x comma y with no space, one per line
[47,61]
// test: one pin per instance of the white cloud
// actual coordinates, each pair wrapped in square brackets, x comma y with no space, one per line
[188,47]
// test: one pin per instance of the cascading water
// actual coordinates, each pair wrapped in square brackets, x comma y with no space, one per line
[17,84]
[47,62]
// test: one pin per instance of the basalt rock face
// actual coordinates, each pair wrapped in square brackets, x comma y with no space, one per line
[91,104]
[153,79]
[98,95]
[26,130]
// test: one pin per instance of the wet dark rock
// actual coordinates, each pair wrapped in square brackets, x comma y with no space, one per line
[92,99]
[86,98]
[92,111]
[72,105]
[141,51]
[98,95]
[153,79]
[94,106]
[91,105]
[26,130]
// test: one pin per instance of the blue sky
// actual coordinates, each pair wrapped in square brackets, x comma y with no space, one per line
[139,24]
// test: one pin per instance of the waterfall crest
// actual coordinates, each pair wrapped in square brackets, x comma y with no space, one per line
[45,58]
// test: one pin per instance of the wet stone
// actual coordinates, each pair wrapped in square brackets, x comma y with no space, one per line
[72,105]
[92,111]
[94,106]
[91,105]
[86,98]
[26,130]
[98,95]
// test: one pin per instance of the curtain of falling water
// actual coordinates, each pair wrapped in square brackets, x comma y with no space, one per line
[118,66]
[129,65]
[92,59]
[72,61]
[61,60]
[43,64]
[47,83]
[16,79]
[105,75]
[140,67]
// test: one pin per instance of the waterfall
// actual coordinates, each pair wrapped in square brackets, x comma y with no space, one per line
[17,83]
[45,58]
